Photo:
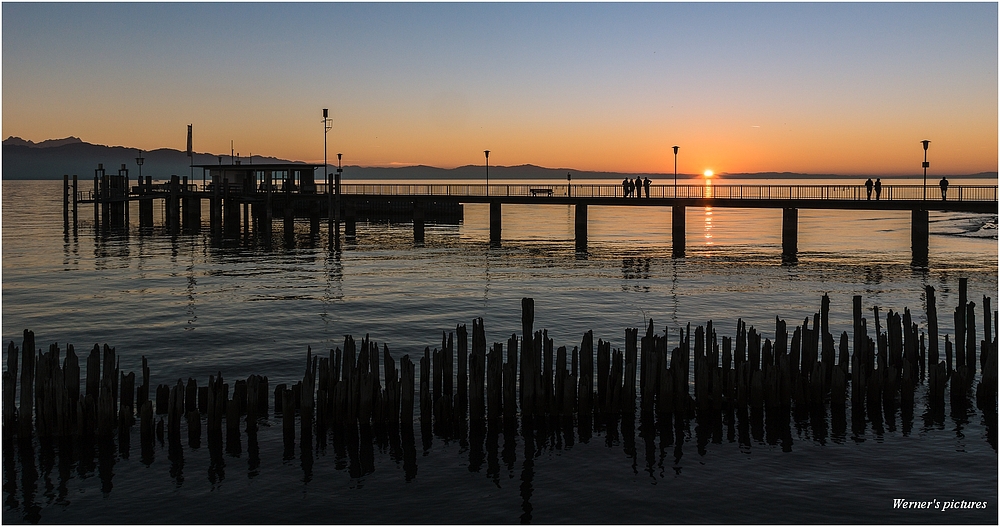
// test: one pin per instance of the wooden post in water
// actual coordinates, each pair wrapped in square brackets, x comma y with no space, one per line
[463,371]
[24,413]
[631,362]
[477,372]
[494,381]
[406,391]
[970,339]
[510,379]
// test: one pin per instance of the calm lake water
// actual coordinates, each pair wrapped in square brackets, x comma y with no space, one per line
[195,306]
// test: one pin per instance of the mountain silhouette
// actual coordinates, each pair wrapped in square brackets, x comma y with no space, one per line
[53,158]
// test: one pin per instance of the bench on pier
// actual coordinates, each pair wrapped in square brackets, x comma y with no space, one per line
[537,191]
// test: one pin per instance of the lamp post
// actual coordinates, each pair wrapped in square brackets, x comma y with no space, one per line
[676,148]
[487,152]
[327,125]
[336,187]
[139,161]
[925,165]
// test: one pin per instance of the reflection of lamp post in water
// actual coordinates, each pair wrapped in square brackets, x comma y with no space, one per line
[487,152]
[676,148]
[926,164]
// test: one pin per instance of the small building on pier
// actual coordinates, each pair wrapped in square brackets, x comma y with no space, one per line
[250,179]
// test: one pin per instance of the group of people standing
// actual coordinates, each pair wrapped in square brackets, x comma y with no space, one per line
[630,187]
[878,188]
[877,185]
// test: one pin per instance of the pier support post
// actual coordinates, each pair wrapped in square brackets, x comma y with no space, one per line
[231,210]
[66,203]
[75,204]
[289,220]
[581,227]
[919,234]
[191,209]
[495,224]
[126,194]
[789,235]
[106,205]
[215,210]
[97,196]
[678,229]
[145,205]
[350,220]
[418,221]
[314,218]
[173,205]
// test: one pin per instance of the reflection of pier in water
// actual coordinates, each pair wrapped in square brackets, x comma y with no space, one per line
[245,199]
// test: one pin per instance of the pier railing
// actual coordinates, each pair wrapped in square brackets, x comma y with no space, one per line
[977,193]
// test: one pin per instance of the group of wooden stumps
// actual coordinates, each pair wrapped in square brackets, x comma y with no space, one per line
[350,387]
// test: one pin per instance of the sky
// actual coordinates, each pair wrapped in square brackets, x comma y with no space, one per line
[740,87]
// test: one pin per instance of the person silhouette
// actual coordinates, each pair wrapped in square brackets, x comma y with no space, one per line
[868,187]
[878,188]
[944,188]
[645,183]
[638,187]
[625,183]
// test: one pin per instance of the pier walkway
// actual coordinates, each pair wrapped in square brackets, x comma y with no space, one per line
[262,198]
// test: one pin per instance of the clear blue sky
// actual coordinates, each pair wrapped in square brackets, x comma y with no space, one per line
[848,88]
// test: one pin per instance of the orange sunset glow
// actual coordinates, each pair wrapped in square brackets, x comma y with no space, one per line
[599,87]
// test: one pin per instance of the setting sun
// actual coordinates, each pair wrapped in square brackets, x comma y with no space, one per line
[709,173]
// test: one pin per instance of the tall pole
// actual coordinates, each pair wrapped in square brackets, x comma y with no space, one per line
[326,128]
[926,164]
[676,148]
[327,124]
[487,152]
[336,185]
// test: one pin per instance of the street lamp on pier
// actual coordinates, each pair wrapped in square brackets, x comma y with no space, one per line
[327,125]
[139,160]
[925,165]
[676,148]
[487,152]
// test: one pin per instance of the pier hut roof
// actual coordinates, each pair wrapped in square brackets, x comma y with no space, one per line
[261,166]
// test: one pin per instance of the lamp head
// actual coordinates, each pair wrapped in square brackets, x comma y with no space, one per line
[925,142]
[326,113]
[487,152]
[676,148]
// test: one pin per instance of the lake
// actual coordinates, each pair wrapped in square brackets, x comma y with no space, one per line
[195,306]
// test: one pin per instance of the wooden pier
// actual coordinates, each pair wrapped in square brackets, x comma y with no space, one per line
[245,199]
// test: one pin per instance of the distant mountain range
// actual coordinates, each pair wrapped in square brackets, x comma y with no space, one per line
[52,158]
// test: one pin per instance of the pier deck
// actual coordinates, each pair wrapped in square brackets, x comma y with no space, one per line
[255,201]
